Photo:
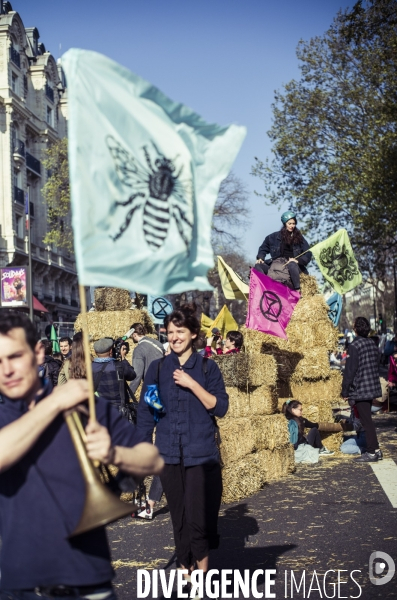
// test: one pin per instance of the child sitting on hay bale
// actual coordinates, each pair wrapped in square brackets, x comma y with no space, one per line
[307,448]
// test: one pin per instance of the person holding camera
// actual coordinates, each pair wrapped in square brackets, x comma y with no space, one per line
[110,373]
[232,344]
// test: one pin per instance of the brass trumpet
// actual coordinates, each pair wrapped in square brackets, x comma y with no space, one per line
[101,505]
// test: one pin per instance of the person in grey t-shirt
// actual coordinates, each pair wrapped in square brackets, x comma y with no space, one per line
[147,350]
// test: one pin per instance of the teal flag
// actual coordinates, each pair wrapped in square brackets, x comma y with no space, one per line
[145,173]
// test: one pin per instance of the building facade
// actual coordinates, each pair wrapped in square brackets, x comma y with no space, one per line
[33,115]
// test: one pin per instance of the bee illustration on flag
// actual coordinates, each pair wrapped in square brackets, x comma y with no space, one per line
[158,190]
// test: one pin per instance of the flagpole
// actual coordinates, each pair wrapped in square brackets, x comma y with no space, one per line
[30,270]
[87,353]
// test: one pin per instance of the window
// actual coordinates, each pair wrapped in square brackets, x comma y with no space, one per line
[16,178]
[14,83]
[49,116]
[20,227]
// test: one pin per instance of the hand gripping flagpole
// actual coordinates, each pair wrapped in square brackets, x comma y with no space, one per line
[87,353]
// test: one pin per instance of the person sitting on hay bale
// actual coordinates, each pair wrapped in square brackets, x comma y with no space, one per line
[283,246]
[232,344]
[307,448]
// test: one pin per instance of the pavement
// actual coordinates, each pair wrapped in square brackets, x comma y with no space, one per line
[328,516]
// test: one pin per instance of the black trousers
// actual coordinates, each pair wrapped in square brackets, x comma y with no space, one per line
[194,497]
[156,489]
[314,438]
[293,268]
[364,411]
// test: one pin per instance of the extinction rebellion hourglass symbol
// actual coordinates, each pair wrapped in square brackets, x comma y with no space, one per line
[270,306]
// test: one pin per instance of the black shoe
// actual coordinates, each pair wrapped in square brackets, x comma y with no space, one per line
[379,454]
[367,457]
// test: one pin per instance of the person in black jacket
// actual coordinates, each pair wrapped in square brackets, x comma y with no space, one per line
[361,384]
[284,246]
[50,366]
[292,410]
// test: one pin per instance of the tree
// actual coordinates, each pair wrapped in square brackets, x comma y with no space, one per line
[335,134]
[231,213]
[56,193]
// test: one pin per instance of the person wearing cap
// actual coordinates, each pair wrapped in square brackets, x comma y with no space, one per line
[284,246]
[109,372]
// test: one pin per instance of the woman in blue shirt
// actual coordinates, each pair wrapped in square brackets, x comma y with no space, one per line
[192,391]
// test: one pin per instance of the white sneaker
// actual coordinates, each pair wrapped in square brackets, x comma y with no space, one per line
[147,513]
[325,452]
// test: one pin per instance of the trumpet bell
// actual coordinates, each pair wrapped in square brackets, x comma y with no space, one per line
[100,508]
[101,505]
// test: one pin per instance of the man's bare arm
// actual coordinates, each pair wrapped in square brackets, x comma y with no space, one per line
[140,460]
[17,438]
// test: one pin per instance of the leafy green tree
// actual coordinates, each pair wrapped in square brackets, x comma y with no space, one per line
[56,193]
[334,134]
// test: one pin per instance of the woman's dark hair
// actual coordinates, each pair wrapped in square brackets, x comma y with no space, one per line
[10,321]
[77,369]
[185,316]
[362,327]
[201,342]
[286,409]
[236,337]
[47,347]
[295,237]
[139,328]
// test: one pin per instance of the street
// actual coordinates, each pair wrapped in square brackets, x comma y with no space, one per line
[331,515]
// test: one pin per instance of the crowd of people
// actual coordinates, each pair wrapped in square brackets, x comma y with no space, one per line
[42,490]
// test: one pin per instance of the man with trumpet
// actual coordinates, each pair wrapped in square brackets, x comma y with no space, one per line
[42,489]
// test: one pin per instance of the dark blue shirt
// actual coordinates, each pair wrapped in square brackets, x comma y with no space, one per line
[41,501]
[187,429]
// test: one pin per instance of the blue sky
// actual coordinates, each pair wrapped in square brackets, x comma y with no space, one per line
[223,58]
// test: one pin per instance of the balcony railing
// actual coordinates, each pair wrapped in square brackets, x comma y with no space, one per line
[19,195]
[33,164]
[73,303]
[48,297]
[19,147]
[49,92]
[58,299]
[15,57]
[64,301]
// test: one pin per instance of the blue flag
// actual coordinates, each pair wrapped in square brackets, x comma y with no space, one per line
[145,173]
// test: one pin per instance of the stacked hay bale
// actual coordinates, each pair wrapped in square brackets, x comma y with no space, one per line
[303,371]
[113,317]
[254,441]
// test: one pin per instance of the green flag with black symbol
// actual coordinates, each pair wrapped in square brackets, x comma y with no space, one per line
[337,262]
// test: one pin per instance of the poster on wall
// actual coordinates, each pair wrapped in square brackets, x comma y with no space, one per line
[14,286]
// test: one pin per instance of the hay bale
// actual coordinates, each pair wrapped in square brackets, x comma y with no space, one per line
[332,441]
[238,403]
[309,285]
[262,370]
[247,475]
[312,306]
[313,366]
[242,370]
[237,438]
[110,298]
[318,392]
[262,400]
[270,432]
[113,324]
